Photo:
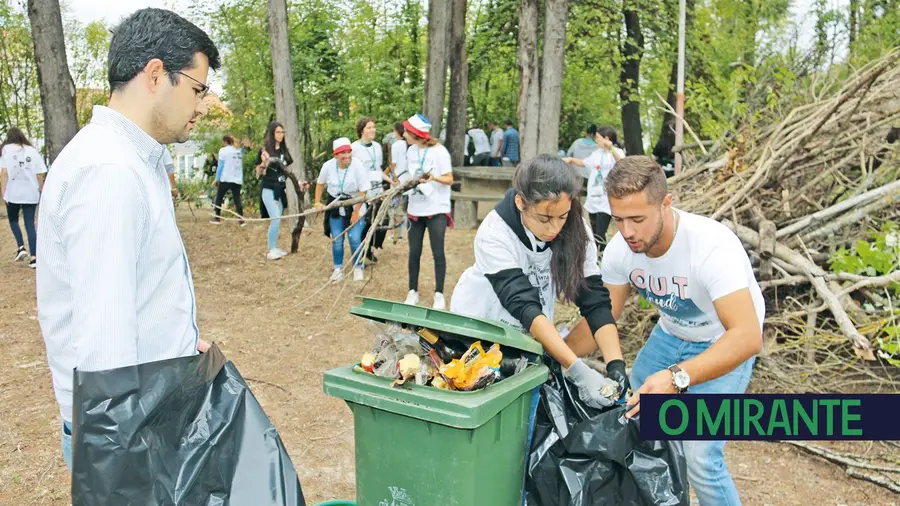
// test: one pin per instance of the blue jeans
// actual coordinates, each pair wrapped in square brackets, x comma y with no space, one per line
[354,235]
[705,459]
[67,445]
[273,207]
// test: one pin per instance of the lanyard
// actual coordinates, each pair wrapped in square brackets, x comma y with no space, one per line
[344,178]
[371,156]
[421,169]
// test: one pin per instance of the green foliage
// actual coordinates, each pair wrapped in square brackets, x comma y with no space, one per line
[876,256]
[20,102]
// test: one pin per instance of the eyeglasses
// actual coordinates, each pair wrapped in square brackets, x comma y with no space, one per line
[204,89]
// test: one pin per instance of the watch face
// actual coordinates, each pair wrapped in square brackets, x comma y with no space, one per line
[681,379]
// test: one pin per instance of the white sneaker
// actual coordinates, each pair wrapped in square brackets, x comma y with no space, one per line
[215,221]
[412,298]
[281,252]
[243,223]
[439,302]
[21,254]
[358,274]
[337,275]
[275,254]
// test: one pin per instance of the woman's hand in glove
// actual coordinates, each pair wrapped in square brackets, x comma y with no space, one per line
[592,385]
[615,370]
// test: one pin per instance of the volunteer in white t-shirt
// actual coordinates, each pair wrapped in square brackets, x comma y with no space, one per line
[695,271]
[482,155]
[429,203]
[398,153]
[345,178]
[22,177]
[597,166]
[496,144]
[230,177]
[533,248]
[370,154]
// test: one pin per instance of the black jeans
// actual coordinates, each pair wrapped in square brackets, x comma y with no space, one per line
[378,238]
[437,227]
[600,223]
[12,211]
[235,195]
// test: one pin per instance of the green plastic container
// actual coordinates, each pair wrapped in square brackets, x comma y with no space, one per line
[421,446]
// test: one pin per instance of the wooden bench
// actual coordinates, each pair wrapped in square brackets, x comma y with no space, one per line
[465,208]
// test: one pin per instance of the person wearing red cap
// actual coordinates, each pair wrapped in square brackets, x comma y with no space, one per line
[345,178]
[429,203]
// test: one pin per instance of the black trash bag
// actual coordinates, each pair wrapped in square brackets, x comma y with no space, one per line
[581,456]
[186,431]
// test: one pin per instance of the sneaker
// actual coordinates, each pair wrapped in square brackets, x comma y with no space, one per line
[358,274]
[337,275]
[281,252]
[243,223]
[21,254]
[439,302]
[275,254]
[32,263]
[215,221]
[412,298]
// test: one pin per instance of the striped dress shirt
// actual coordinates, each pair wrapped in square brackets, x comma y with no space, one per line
[114,286]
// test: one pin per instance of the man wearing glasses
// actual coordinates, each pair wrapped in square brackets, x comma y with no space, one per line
[114,286]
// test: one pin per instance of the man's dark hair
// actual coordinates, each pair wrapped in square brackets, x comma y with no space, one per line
[399,128]
[156,33]
[508,123]
[227,139]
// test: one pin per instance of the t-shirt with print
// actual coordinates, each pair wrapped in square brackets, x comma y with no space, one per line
[231,159]
[372,159]
[597,166]
[705,262]
[344,183]
[22,164]
[398,156]
[434,198]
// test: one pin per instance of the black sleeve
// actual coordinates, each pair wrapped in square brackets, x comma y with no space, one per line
[594,304]
[516,295]
[287,158]
[258,158]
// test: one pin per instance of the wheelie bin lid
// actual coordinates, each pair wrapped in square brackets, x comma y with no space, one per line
[389,311]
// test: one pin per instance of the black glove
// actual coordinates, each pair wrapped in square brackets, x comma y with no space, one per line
[615,370]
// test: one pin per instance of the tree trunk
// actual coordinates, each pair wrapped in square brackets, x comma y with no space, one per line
[286,103]
[54,80]
[529,79]
[632,51]
[853,21]
[436,74]
[552,68]
[459,84]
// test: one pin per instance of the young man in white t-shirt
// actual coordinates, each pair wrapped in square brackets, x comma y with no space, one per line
[695,271]
[230,177]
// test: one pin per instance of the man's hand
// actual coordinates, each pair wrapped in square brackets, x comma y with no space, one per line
[659,383]
[202,346]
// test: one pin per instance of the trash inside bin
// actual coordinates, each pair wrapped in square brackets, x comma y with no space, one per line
[181,431]
[417,445]
[581,456]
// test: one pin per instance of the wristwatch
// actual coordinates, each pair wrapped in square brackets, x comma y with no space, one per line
[680,379]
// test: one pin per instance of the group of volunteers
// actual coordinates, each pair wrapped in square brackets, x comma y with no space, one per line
[358,171]
[109,239]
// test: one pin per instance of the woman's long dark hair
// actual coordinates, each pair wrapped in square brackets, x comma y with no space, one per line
[15,136]
[270,140]
[610,133]
[546,177]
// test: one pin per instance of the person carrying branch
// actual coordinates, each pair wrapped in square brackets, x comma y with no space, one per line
[695,271]
[368,152]
[230,177]
[598,165]
[345,178]
[271,163]
[533,248]
[428,161]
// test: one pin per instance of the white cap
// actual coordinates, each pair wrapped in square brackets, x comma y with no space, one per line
[340,145]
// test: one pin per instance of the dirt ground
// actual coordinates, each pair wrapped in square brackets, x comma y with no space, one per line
[283,325]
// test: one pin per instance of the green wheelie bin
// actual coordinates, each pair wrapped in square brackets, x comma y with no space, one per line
[422,446]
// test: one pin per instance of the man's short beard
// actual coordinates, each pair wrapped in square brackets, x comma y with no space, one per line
[656,235]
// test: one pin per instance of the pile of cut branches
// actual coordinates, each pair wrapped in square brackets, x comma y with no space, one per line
[798,190]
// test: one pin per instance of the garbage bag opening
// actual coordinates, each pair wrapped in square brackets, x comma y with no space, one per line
[181,431]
